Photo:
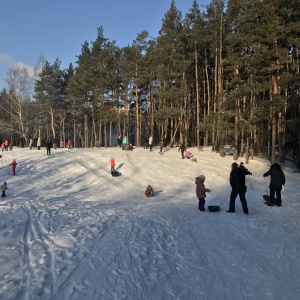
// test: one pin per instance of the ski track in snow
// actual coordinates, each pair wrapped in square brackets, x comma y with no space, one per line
[71,231]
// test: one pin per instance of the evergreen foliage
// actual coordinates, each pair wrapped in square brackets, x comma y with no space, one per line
[227,73]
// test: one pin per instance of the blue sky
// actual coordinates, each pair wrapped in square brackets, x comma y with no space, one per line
[57,28]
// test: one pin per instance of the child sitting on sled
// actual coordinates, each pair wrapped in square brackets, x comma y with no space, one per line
[149,191]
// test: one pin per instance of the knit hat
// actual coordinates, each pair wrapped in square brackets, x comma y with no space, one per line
[234,165]
[202,177]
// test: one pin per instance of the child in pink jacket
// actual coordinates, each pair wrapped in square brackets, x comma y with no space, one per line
[200,191]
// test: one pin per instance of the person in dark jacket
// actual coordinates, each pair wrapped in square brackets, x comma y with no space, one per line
[119,140]
[149,191]
[48,146]
[237,182]
[276,183]
[182,148]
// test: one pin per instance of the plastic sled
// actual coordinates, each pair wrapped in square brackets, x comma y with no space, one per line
[213,208]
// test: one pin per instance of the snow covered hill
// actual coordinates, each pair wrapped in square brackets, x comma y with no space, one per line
[69,230]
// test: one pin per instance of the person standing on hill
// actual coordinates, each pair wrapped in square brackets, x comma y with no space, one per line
[30,143]
[182,148]
[48,146]
[119,140]
[165,141]
[69,144]
[124,143]
[150,142]
[112,165]
[3,189]
[13,166]
[276,183]
[201,191]
[237,181]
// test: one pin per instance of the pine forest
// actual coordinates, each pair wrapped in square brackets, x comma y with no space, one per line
[227,74]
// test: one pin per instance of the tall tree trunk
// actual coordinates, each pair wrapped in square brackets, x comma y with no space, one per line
[197,96]
[137,125]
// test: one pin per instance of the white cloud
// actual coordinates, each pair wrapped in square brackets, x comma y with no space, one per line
[5,59]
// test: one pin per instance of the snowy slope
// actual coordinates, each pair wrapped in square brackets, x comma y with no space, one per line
[68,230]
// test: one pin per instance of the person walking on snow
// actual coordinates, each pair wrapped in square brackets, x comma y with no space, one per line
[3,189]
[276,183]
[13,166]
[201,191]
[112,165]
[237,181]
[182,148]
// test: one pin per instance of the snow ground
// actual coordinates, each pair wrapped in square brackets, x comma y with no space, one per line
[68,230]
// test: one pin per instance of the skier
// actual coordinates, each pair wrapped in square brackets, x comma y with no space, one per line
[182,148]
[13,166]
[3,189]
[201,191]
[237,182]
[112,165]
[149,191]
[276,183]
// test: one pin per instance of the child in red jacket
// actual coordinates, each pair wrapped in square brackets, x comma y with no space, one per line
[112,165]
[13,166]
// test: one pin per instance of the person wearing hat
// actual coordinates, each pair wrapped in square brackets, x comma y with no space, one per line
[237,182]
[13,166]
[3,189]
[277,181]
[201,191]
[149,191]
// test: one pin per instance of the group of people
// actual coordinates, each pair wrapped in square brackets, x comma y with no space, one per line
[238,186]
[123,143]
[4,187]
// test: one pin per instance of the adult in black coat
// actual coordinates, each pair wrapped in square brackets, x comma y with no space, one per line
[276,183]
[237,182]
[182,148]
[48,146]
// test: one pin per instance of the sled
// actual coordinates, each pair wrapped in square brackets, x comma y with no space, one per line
[214,208]
[115,174]
[267,198]
[149,196]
